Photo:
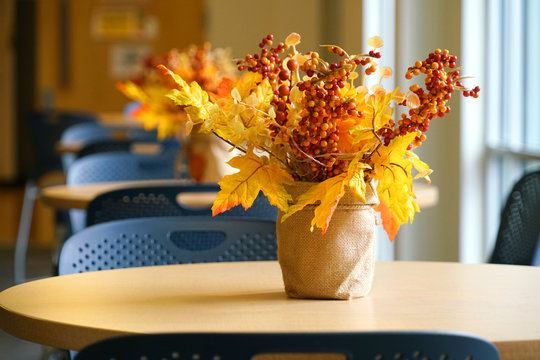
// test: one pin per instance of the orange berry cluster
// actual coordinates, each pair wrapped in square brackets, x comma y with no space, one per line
[315,138]
[317,134]
[268,63]
[439,86]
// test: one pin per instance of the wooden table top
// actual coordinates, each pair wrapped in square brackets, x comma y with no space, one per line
[498,302]
[79,196]
[117,119]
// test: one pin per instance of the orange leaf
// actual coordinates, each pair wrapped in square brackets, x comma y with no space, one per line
[224,88]
[390,223]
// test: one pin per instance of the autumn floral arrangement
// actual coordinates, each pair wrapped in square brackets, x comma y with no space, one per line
[298,118]
[148,87]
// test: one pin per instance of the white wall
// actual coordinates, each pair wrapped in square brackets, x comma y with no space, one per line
[241,24]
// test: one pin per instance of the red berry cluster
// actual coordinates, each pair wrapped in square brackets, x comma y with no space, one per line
[268,63]
[439,86]
[316,136]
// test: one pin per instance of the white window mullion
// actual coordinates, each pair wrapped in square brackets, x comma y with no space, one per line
[493,90]
[379,19]
[532,70]
[472,138]
[513,73]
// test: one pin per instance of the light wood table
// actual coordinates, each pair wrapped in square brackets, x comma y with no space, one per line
[117,119]
[498,302]
[79,196]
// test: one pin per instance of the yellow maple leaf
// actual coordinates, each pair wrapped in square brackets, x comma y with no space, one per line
[423,169]
[328,193]
[255,174]
[355,178]
[132,91]
[192,96]
[392,171]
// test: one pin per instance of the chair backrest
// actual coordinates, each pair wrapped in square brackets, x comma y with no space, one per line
[162,200]
[122,166]
[117,166]
[86,132]
[114,145]
[98,138]
[83,132]
[519,229]
[168,240]
[314,346]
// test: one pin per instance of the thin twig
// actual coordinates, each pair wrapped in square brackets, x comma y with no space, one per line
[309,156]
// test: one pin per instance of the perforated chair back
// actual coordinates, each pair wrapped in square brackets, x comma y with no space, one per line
[519,229]
[168,240]
[86,131]
[117,166]
[328,346]
[170,147]
[83,132]
[122,166]
[98,138]
[164,201]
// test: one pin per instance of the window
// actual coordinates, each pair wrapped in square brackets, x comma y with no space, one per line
[500,36]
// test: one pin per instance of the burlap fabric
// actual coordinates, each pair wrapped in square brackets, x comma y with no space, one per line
[336,265]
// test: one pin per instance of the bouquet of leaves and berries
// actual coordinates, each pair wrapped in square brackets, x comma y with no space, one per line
[298,118]
[202,64]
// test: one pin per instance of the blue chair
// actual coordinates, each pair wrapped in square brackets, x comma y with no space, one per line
[84,132]
[119,166]
[168,240]
[519,229]
[136,202]
[106,138]
[241,346]
[45,129]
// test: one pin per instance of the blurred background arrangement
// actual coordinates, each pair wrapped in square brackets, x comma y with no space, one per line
[64,55]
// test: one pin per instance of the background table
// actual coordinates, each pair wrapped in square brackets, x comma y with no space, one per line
[78,196]
[498,302]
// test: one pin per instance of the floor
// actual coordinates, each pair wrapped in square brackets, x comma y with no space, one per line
[39,265]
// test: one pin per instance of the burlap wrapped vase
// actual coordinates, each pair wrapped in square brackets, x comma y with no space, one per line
[337,265]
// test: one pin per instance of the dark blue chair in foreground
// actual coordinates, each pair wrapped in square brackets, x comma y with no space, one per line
[330,346]
[136,202]
[519,230]
[168,240]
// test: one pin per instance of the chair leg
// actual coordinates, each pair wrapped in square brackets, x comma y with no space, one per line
[21,247]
